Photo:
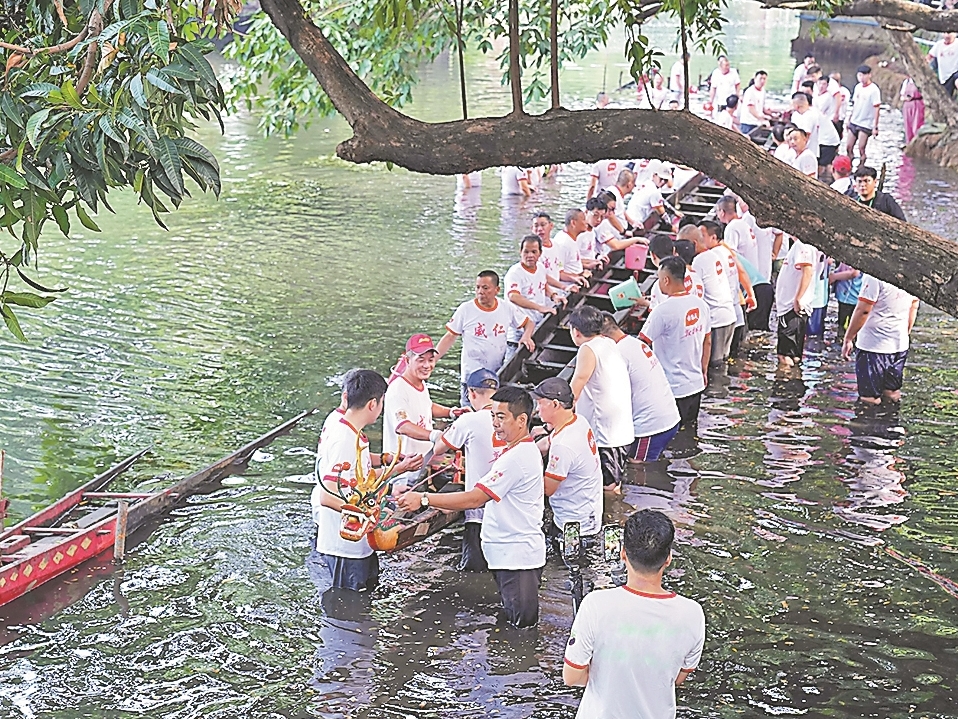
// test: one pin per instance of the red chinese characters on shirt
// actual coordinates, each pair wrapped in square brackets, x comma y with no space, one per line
[497,330]
[481,330]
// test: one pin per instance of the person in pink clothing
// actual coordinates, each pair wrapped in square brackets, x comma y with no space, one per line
[912,109]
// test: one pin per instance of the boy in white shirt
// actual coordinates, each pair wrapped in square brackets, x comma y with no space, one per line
[794,292]
[880,327]
[349,565]
[865,111]
[632,645]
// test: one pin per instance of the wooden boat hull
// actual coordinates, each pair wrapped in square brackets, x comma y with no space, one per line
[31,562]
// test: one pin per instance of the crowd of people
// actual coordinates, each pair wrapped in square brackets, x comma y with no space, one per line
[566,442]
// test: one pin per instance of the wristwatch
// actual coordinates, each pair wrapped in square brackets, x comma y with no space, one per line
[424,502]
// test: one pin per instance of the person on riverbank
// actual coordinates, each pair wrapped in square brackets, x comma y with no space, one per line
[823,138]
[864,115]
[409,410]
[511,536]
[346,564]
[677,81]
[726,116]
[866,185]
[723,82]
[842,171]
[754,114]
[600,374]
[484,323]
[879,328]
[794,291]
[945,54]
[573,473]
[655,416]
[801,158]
[631,665]
[710,263]
[679,333]
[474,434]
[912,108]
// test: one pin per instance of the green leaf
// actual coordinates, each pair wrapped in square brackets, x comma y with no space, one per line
[9,109]
[13,325]
[158,80]
[195,58]
[85,219]
[63,220]
[159,36]
[34,124]
[70,96]
[138,91]
[36,285]
[25,299]
[10,177]
[169,158]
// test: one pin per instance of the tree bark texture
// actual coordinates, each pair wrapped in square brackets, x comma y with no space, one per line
[914,259]
[913,13]
[939,105]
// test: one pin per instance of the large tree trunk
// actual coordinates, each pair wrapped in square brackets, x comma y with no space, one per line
[939,106]
[904,11]
[915,260]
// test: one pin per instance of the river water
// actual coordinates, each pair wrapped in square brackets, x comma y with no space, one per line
[821,540]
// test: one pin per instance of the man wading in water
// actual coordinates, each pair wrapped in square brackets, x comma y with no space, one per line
[511,535]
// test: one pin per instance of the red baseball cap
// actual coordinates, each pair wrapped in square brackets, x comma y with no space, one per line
[842,164]
[420,344]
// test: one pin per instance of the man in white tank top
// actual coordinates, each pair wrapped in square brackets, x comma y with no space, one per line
[601,388]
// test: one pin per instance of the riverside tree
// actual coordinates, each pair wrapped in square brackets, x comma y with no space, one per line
[102,94]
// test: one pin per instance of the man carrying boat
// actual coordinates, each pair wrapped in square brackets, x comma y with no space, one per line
[409,410]
[597,383]
[484,323]
[711,263]
[473,432]
[573,474]
[530,288]
[559,253]
[611,233]
[512,539]
[349,565]
[647,205]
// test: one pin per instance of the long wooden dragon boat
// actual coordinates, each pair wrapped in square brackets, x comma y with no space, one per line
[84,524]
[554,353]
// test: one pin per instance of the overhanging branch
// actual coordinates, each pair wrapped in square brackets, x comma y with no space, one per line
[913,13]
[912,258]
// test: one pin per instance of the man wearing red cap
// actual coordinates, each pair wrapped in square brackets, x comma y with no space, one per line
[842,172]
[409,410]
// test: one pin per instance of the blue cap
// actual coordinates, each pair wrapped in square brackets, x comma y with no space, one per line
[482,379]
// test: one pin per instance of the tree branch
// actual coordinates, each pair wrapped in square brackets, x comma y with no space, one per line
[939,104]
[554,51]
[515,78]
[916,14]
[911,258]
[62,47]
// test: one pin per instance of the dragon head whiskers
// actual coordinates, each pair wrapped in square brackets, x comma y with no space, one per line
[388,472]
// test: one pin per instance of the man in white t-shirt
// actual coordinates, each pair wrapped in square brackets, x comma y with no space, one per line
[647,206]
[409,410]
[799,75]
[679,332]
[655,416]
[347,564]
[512,539]
[484,324]
[711,264]
[613,234]
[528,287]
[632,645]
[600,374]
[723,82]
[573,473]
[865,111]
[945,52]
[794,292]
[802,159]
[755,246]
[558,253]
[604,173]
[880,327]
[808,119]
[622,188]
[515,181]
[753,104]
[473,433]
[590,251]
[677,81]
[567,239]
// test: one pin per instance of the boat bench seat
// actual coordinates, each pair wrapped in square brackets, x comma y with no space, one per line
[88,520]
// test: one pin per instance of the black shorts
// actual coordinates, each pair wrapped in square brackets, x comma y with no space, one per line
[878,372]
[791,334]
[519,591]
[613,461]
[472,559]
[826,154]
[857,129]
[689,409]
[359,575]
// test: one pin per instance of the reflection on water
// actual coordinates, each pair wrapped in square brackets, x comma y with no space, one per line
[821,539]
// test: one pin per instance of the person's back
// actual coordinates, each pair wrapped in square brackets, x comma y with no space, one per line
[887,327]
[606,408]
[632,645]
[711,266]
